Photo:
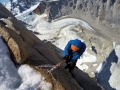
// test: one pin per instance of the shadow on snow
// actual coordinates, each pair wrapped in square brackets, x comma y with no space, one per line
[104,75]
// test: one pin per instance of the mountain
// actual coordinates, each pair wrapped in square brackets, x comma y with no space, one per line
[28,49]
[18,6]
[103,15]
[101,36]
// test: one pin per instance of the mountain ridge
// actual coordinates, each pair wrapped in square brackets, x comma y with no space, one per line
[33,51]
[103,16]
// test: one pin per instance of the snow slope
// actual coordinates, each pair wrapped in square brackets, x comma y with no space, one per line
[12,78]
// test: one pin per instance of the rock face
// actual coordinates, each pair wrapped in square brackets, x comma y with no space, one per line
[77,73]
[102,15]
[28,49]
[41,8]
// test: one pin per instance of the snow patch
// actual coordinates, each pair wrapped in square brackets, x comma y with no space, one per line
[24,78]
[115,79]
[31,79]
[117,51]
[9,78]
[98,69]
[8,5]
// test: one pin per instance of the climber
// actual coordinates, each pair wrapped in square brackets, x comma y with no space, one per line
[73,50]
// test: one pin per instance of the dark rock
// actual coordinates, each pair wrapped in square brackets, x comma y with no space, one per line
[84,80]
[41,8]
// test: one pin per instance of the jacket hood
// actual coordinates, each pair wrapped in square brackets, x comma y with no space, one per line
[76,43]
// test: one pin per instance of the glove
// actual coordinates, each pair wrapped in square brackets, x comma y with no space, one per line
[66,58]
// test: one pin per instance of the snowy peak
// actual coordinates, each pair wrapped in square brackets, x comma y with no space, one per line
[18,6]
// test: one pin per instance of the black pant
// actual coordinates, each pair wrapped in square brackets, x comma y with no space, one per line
[70,65]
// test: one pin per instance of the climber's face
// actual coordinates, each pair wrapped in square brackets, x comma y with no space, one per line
[74,48]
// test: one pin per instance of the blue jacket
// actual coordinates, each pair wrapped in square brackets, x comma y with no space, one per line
[76,54]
